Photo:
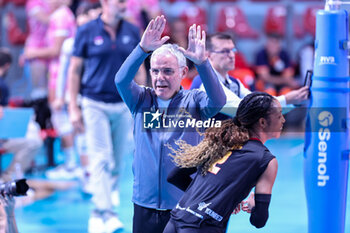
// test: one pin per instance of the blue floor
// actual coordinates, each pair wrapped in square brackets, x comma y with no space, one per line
[68,211]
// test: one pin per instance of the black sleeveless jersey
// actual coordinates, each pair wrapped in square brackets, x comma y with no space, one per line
[213,197]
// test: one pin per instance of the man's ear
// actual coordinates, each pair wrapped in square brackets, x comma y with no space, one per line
[184,72]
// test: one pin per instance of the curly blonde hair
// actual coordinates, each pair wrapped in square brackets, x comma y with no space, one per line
[216,143]
[230,136]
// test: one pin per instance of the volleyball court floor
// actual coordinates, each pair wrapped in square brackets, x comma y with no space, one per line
[68,210]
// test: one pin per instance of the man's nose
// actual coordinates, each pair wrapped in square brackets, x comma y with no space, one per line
[161,76]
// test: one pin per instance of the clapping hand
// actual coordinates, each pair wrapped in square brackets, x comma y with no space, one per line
[151,38]
[196,45]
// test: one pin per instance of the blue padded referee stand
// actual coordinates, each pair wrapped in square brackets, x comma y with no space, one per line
[327,142]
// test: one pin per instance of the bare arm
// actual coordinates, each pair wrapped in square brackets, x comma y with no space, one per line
[42,17]
[48,52]
[267,179]
[74,75]
[297,96]
[258,203]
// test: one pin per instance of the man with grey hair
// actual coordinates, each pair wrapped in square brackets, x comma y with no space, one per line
[158,119]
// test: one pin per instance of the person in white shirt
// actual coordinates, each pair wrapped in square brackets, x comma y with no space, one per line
[221,53]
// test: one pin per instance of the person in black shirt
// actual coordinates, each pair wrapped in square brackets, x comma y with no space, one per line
[230,161]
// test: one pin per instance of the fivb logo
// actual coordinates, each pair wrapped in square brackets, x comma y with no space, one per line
[325,119]
[327,60]
[151,120]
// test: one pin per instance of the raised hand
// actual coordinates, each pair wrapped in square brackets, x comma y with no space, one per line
[196,45]
[151,38]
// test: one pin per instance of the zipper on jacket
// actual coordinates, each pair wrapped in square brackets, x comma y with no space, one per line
[161,156]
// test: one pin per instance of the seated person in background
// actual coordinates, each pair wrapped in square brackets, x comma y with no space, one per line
[231,160]
[140,12]
[306,60]
[23,149]
[273,68]
[222,55]
[243,72]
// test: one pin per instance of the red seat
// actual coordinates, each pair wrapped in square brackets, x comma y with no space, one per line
[15,102]
[222,0]
[275,20]
[3,2]
[310,19]
[232,18]
[195,15]
[19,2]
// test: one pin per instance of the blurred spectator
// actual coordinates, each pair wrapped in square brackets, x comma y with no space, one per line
[85,13]
[23,149]
[61,26]
[141,12]
[101,46]
[306,60]
[38,18]
[273,67]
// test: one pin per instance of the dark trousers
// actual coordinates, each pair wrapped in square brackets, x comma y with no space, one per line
[174,227]
[148,220]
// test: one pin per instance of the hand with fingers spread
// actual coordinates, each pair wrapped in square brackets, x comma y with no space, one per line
[151,38]
[196,45]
